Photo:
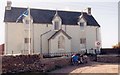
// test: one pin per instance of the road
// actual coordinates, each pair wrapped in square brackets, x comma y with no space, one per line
[93,67]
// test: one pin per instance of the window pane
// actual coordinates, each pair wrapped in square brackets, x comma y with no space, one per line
[56,25]
[26,40]
[26,21]
[81,25]
[82,40]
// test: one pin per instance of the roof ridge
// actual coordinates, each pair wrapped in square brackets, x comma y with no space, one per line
[59,10]
[46,15]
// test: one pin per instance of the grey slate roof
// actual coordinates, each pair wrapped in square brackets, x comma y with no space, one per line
[46,16]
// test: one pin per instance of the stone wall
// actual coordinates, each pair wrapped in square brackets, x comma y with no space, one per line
[36,63]
[32,63]
[108,58]
[110,51]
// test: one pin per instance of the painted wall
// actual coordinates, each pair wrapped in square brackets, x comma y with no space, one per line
[91,37]
[14,41]
[14,37]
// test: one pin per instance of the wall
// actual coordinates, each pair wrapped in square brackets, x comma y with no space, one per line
[38,30]
[108,58]
[91,37]
[54,45]
[74,32]
[110,51]
[14,37]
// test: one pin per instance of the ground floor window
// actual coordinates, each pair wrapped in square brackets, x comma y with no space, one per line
[82,40]
[27,40]
[61,42]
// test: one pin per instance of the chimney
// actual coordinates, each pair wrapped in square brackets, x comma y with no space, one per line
[88,11]
[8,7]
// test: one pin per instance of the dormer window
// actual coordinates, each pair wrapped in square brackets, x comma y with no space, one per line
[26,21]
[82,21]
[82,25]
[56,25]
[56,22]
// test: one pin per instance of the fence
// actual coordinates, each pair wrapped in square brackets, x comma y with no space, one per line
[63,53]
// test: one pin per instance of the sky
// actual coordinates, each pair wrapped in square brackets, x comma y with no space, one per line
[105,12]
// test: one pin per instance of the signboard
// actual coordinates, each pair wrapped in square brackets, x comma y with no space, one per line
[97,43]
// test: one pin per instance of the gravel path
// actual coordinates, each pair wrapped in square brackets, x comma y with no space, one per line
[93,67]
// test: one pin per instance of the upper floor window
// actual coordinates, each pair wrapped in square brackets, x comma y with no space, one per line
[56,25]
[56,22]
[26,21]
[82,25]
[82,21]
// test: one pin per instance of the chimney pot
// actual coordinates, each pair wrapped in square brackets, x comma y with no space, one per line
[89,11]
[8,7]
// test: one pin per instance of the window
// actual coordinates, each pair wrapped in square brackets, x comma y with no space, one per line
[56,22]
[56,25]
[46,25]
[26,21]
[82,25]
[61,42]
[26,40]
[82,40]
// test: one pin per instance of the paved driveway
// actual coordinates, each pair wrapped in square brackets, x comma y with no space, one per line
[93,67]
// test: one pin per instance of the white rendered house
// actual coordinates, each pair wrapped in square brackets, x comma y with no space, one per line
[50,31]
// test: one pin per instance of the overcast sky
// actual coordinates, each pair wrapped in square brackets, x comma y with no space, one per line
[105,12]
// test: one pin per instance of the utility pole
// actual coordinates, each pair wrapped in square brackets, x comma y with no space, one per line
[29,31]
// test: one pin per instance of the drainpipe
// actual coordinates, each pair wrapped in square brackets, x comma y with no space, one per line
[41,39]
[97,48]
[48,47]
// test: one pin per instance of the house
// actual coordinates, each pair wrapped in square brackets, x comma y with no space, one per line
[49,31]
